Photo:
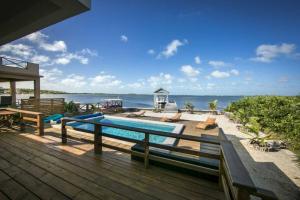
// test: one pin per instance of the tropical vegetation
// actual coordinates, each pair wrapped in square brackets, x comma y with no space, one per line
[213,105]
[278,116]
[70,107]
[189,106]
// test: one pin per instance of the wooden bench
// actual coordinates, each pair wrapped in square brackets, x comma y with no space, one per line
[30,116]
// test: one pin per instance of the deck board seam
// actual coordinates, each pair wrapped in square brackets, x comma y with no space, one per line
[15,180]
[174,194]
[30,161]
[161,171]
[72,163]
[30,174]
[192,191]
[40,157]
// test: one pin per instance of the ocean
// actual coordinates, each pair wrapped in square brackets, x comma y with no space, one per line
[143,101]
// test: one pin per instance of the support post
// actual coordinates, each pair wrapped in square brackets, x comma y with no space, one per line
[13,92]
[36,86]
[146,148]
[97,139]
[63,132]
[40,124]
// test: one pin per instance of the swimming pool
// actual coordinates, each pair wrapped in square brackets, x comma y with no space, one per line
[136,123]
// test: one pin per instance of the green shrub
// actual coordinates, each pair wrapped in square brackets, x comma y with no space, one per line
[71,107]
[213,105]
[274,114]
[189,106]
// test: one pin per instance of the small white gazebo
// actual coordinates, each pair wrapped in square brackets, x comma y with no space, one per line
[161,98]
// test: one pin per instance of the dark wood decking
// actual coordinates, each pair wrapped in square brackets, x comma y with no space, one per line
[34,167]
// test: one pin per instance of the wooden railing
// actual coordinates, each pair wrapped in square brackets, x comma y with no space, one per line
[145,143]
[35,117]
[48,106]
[234,179]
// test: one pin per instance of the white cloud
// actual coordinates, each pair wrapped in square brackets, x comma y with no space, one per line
[151,51]
[66,58]
[28,53]
[124,38]
[40,59]
[197,60]
[74,81]
[218,63]
[55,46]
[172,48]
[267,52]
[136,85]
[160,80]
[21,50]
[234,72]
[220,74]
[88,51]
[188,70]
[62,61]
[40,39]
[210,86]
[50,75]
[104,80]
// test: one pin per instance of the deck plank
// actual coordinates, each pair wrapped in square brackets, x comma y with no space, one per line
[68,177]
[178,183]
[111,175]
[133,183]
[12,189]
[121,159]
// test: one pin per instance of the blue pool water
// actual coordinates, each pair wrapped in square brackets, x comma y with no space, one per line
[126,133]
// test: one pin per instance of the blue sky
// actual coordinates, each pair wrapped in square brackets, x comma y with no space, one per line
[208,47]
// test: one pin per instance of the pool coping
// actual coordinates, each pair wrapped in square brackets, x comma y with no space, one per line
[179,128]
[169,141]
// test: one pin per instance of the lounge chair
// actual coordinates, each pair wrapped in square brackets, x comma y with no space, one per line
[175,118]
[209,122]
[137,114]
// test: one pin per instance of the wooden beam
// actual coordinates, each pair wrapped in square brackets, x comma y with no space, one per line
[37,88]
[13,92]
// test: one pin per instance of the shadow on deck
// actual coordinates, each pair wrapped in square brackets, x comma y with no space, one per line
[34,167]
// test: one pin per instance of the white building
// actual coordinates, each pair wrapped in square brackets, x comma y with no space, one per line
[161,98]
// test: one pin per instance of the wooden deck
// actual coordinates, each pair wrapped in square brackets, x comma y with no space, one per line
[35,167]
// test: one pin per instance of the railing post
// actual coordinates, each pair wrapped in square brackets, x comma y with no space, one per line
[146,148]
[98,139]
[22,123]
[63,132]
[40,124]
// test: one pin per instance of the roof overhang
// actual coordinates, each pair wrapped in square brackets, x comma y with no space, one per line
[22,17]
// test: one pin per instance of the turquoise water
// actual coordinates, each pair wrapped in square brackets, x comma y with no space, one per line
[126,133]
